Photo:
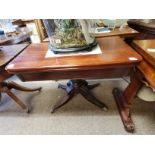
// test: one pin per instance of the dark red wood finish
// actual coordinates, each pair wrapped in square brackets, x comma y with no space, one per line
[8,53]
[145,72]
[114,61]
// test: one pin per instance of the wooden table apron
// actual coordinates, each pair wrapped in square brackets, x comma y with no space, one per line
[113,62]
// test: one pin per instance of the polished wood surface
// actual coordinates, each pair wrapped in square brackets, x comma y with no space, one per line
[143,25]
[8,53]
[112,72]
[123,100]
[122,32]
[116,60]
[146,48]
[148,71]
[115,54]
[144,73]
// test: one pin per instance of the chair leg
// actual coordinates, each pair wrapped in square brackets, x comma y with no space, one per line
[11,84]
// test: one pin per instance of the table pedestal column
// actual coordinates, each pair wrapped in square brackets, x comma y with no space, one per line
[123,100]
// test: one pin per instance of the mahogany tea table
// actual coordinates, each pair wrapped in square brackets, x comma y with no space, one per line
[117,59]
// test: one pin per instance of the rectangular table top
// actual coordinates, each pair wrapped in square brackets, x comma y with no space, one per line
[7,53]
[115,52]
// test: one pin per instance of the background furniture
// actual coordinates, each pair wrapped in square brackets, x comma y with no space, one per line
[15,37]
[144,26]
[116,60]
[146,48]
[125,32]
[36,26]
[8,53]
[144,73]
